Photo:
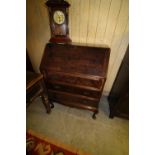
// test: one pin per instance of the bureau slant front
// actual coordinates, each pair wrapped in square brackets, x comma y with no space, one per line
[75,74]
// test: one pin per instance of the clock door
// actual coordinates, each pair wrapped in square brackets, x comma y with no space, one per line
[58,26]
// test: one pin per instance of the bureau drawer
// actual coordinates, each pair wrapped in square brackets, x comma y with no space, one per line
[72,99]
[69,89]
[90,83]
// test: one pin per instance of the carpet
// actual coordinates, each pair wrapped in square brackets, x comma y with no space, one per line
[37,144]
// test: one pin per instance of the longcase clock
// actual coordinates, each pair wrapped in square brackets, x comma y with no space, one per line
[58,13]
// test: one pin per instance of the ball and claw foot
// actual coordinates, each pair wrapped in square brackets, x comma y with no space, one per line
[51,105]
[94,114]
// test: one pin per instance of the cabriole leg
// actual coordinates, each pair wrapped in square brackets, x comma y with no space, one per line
[94,114]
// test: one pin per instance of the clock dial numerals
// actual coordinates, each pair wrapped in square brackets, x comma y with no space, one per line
[59,17]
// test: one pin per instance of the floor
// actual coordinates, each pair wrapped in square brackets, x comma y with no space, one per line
[76,128]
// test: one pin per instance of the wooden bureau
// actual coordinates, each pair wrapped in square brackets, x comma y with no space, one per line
[75,75]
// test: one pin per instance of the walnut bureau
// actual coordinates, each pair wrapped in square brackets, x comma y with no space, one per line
[75,74]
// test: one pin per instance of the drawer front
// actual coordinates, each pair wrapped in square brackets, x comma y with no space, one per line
[66,98]
[69,89]
[77,81]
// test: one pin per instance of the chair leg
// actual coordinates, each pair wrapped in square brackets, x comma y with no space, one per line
[48,105]
[46,102]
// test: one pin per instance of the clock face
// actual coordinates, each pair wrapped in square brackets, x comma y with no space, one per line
[59,17]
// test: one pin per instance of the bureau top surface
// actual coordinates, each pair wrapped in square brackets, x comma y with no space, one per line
[76,59]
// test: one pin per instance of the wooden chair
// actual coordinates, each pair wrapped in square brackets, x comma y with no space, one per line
[35,87]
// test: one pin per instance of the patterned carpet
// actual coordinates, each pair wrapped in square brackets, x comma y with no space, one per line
[37,144]
[76,128]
